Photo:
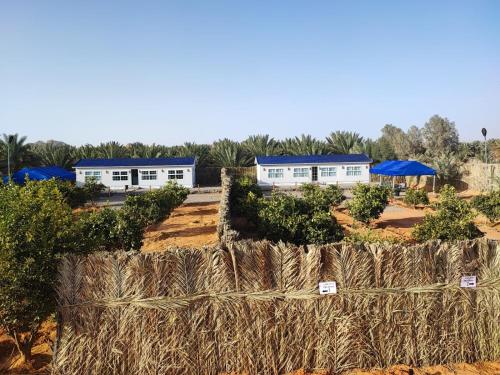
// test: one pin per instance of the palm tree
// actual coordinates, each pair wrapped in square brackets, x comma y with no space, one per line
[54,153]
[303,145]
[201,152]
[140,150]
[227,153]
[87,151]
[344,142]
[19,152]
[260,145]
[111,150]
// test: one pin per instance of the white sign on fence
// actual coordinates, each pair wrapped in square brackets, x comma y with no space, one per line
[468,282]
[328,287]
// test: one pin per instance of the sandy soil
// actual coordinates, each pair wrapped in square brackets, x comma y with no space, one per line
[480,368]
[397,222]
[192,225]
[42,352]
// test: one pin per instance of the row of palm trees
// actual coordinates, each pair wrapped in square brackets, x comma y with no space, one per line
[222,153]
[229,153]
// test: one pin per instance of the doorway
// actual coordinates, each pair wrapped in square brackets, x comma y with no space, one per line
[135,177]
[314,173]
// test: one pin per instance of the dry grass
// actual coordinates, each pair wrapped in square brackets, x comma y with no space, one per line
[253,308]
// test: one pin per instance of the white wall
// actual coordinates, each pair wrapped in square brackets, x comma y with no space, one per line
[161,179]
[288,179]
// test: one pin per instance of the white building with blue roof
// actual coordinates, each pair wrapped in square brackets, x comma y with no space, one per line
[290,170]
[126,173]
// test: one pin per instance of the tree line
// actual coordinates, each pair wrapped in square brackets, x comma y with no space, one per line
[436,143]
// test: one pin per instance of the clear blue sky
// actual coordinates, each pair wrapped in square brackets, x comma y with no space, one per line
[175,71]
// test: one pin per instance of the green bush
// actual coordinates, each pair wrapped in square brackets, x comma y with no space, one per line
[156,205]
[75,196]
[322,199]
[488,205]
[368,202]
[452,221]
[416,197]
[322,228]
[290,219]
[243,197]
[93,189]
[36,227]
[97,230]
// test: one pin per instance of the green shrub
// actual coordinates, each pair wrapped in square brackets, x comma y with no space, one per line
[290,219]
[371,236]
[368,202]
[93,189]
[156,205]
[416,197]
[322,199]
[488,205]
[322,228]
[35,229]
[97,230]
[452,221]
[243,197]
[74,195]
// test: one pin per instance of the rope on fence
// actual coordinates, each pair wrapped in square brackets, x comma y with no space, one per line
[172,303]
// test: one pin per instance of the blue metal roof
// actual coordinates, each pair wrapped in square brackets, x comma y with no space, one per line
[402,168]
[133,162]
[41,173]
[313,159]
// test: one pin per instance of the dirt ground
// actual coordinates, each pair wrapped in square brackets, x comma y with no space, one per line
[486,368]
[42,352]
[191,225]
[397,221]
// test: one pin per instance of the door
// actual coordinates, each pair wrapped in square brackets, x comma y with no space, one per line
[135,177]
[314,173]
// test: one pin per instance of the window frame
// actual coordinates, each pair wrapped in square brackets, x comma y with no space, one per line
[328,171]
[275,173]
[149,175]
[175,174]
[353,171]
[96,175]
[119,175]
[300,172]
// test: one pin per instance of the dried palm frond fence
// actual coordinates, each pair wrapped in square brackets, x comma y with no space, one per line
[256,309]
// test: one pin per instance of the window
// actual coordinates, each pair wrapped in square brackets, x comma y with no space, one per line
[176,174]
[275,173]
[354,171]
[92,175]
[149,175]
[328,172]
[300,172]
[120,176]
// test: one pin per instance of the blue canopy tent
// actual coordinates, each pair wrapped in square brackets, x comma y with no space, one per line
[41,173]
[396,168]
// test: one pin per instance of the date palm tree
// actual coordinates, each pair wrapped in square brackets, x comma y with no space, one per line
[54,153]
[260,145]
[344,142]
[140,150]
[200,152]
[303,145]
[112,149]
[228,153]
[19,152]
[87,151]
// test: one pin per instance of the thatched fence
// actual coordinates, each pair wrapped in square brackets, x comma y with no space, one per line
[256,308]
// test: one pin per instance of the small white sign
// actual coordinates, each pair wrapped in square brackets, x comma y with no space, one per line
[468,282]
[328,287]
